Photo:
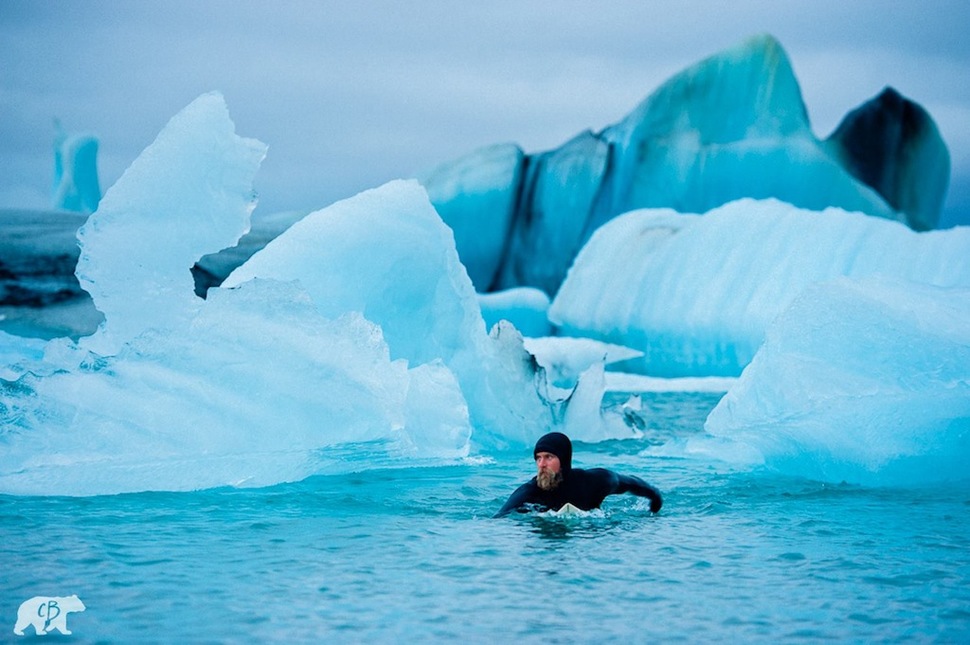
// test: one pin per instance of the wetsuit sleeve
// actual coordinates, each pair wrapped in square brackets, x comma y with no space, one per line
[635,485]
[521,497]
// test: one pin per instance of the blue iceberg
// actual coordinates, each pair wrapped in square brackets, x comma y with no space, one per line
[730,127]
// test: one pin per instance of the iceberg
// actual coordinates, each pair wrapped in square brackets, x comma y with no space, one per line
[252,386]
[732,126]
[558,189]
[696,293]
[239,398]
[893,145]
[179,200]
[387,254]
[865,381]
[356,331]
[76,186]
[476,197]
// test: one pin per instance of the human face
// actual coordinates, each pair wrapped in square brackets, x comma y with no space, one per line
[547,462]
[549,475]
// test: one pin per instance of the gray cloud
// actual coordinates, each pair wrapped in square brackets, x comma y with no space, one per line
[349,95]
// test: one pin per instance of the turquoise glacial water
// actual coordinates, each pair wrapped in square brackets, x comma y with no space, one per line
[412,554]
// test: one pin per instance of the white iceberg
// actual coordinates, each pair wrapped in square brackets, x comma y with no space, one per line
[696,293]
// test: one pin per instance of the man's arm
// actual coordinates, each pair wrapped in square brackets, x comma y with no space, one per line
[635,485]
[521,497]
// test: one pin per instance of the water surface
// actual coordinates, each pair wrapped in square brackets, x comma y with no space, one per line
[413,554]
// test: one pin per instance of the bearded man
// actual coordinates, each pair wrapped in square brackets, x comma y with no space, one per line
[557,483]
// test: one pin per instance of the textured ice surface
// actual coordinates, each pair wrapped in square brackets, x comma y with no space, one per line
[863,381]
[695,293]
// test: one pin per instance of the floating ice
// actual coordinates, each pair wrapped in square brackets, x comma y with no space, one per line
[387,254]
[253,386]
[76,186]
[259,389]
[731,126]
[476,197]
[695,293]
[893,145]
[189,193]
[565,359]
[861,381]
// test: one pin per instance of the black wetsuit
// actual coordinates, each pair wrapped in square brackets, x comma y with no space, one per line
[584,489]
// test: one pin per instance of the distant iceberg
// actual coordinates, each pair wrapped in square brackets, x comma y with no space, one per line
[730,127]
[893,145]
[76,186]
[696,293]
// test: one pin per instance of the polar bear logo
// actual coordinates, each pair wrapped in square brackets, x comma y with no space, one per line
[47,614]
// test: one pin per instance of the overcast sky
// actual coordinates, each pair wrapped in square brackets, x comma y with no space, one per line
[348,95]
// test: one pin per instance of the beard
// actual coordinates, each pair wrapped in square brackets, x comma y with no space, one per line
[548,480]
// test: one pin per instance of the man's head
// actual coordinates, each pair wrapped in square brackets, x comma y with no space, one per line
[554,456]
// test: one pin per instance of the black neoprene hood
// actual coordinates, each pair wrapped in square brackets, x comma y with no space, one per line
[558,444]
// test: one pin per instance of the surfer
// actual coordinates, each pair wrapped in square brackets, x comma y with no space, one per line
[557,483]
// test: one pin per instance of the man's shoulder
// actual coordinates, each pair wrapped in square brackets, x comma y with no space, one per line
[593,479]
[590,473]
[528,488]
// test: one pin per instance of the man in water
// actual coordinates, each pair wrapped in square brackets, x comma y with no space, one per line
[557,483]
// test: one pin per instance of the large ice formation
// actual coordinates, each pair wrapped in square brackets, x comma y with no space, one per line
[355,332]
[730,127]
[863,381]
[696,293]
[189,193]
[893,145]
[251,387]
[387,254]
[76,186]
